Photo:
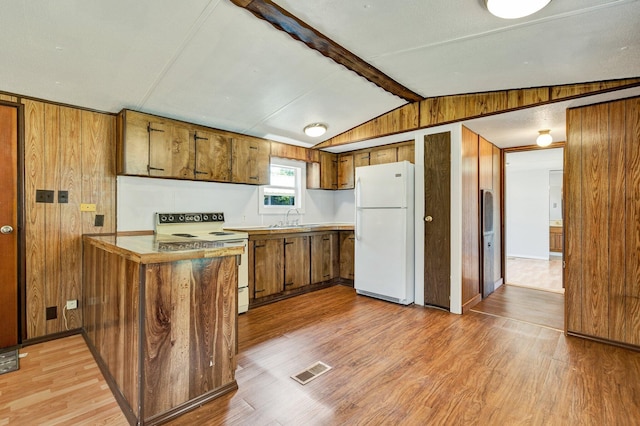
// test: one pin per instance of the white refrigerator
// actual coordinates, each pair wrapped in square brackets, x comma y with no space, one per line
[384,246]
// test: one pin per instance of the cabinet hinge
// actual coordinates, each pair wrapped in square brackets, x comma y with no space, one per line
[151,129]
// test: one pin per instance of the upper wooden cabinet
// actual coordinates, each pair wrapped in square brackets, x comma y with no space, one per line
[323,175]
[407,152]
[345,171]
[212,156]
[250,160]
[383,156]
[154,146]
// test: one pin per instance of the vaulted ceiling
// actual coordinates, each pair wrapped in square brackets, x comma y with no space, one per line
[214,63]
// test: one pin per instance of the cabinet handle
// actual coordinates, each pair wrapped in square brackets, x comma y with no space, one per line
[253,147]
[151,129]
[325,239]
[258,291]
[149,168]
[286,244]
[257,246]
[199,138]
[288,284]
[201,173]
[253,177]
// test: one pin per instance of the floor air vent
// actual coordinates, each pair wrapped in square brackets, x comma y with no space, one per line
[9,361]
[310,373]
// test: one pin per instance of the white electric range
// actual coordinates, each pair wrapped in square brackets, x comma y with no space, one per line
[192,231]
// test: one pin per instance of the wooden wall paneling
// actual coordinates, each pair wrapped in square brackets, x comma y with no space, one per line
[497,213]
[485,152]
[485,103]
[446,109]
[98,171]
[595,199]
[572,274]
[8,98]
[632,289]
[617,222]
[70,227]
[471,225]
[523,97]
[52,239]
[34,217]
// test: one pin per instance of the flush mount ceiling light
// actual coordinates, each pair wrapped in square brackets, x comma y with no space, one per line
[316,129]
[544,138]
[510,9]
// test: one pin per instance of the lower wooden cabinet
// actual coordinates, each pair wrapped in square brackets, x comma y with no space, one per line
[268,267]
[296,262]
[324,257]
[555,238]
[347,254]
[281,266]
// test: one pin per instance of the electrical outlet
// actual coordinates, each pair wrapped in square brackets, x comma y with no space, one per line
[87,207]
[72,304]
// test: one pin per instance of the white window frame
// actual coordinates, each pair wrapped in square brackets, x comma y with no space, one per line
[301,185]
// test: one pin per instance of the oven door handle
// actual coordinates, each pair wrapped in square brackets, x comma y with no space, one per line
[228,243]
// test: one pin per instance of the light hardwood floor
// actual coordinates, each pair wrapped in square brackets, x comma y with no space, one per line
[391,365]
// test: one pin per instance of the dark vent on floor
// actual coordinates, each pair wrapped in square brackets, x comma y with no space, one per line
[310,373]
[9,361]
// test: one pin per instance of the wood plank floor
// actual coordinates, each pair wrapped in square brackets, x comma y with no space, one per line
[391,365]
[58,383]
[525,304]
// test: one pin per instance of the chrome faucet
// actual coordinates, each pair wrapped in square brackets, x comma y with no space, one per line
[286,217]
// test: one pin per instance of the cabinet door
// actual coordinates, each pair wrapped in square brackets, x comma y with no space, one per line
[250,161]
[407,152]
[169,150]
[345,172]
[133,143]
[383,156]
[268,267]
[324,257]
[361,159]
[212,156]
[347,247]
[296,262]
[328,170]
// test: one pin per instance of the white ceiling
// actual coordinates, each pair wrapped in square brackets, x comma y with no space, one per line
[211,62]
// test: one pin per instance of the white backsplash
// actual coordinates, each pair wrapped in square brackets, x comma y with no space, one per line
[140,198]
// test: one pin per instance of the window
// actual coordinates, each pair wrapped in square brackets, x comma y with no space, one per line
[285,190]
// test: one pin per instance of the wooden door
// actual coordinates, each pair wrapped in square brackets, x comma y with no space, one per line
[268,267]
[9,224]
[437,227]
[346,173]
[212,156]
[296,262]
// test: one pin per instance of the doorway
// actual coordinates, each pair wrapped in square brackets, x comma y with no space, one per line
[533,218]
[9,284]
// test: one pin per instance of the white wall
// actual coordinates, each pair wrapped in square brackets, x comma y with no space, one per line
[140,198]
[527,213]
[555,195]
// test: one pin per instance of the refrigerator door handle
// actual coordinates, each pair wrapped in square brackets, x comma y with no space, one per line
[357,229]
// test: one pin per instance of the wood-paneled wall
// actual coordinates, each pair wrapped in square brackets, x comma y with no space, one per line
[471,222]
[481,169]
[66,149]
[448,109]
[602,221]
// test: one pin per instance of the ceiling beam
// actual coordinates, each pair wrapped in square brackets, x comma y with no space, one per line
[299,30]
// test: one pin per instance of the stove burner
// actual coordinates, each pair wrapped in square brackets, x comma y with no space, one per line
[184,235]
[220,233]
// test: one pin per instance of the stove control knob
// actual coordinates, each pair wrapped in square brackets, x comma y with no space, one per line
[163,219]
[205,217]
[170,218]
[196,218]
[180,218]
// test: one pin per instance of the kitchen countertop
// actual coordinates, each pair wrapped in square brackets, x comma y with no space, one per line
[311,227]
[145,248]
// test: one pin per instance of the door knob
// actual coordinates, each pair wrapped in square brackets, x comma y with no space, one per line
[428,219]
[6,229]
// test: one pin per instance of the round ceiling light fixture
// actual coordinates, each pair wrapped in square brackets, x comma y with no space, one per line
[510,9]
[544,138]
[314,130]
